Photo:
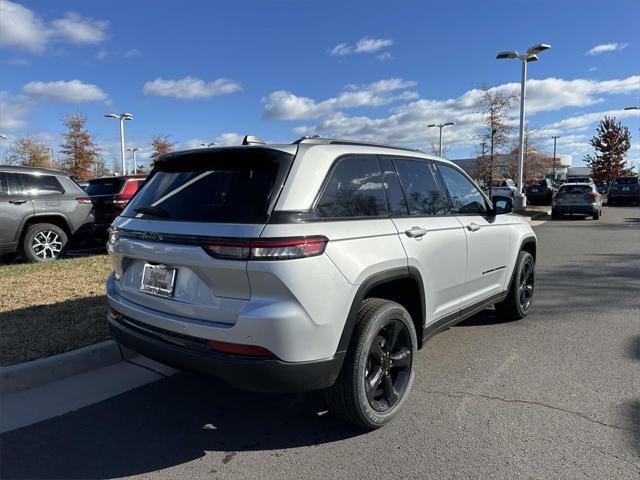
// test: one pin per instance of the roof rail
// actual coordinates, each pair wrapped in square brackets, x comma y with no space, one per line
[316,139]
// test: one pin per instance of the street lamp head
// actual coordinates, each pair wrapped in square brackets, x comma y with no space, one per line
[3,137]
[448,124]
[541,47]
[632,108]
[432,125]
[509,54]
[531,58]
[112,115]
[126,116]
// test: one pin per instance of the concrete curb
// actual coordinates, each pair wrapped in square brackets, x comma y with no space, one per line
[23,376]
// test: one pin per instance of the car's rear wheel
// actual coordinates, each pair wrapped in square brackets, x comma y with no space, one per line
[554,214]
[596,215]
[43,242]
[520,295]
[378,372]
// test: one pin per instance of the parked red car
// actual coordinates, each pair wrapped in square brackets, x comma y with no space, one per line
[110,195]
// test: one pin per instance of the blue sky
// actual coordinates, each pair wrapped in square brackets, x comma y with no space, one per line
[212,71]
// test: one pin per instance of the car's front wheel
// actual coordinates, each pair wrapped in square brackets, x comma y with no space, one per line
[520,295]
[378,371]
[43,242]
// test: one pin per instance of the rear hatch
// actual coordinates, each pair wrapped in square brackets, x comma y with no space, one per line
[625,185]
[190,201]
[576,195]
[104,195]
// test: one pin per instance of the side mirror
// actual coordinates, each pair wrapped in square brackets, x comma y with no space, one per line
[502,205]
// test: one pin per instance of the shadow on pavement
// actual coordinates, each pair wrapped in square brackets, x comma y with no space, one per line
[163,424]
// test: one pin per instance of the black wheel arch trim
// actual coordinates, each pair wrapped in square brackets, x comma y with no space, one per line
[365,287]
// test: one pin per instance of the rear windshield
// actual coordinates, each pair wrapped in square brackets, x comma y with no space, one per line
[104,186]
[576,189]
[226,186]
[626,181]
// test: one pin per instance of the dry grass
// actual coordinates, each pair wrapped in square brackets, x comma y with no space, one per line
[52,308]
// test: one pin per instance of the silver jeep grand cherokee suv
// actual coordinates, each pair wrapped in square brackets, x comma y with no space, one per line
[322,264]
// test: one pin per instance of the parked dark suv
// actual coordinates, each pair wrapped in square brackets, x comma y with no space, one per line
[109,196]
[624,189]
[39,211]
[540,193]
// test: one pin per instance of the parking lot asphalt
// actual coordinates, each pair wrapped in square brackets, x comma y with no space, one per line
[556,395]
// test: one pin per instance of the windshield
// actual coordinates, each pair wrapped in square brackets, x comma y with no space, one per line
[225,186]
[104,186]
[626,181]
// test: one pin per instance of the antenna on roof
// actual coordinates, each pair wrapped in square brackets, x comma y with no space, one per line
[251,140]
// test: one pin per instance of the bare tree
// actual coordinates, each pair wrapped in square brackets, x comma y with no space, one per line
[495,108]
[29,153]
[79,151]
[536,162]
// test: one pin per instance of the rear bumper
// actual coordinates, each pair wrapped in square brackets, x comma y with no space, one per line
[263,375]
[623,197]
[583,209]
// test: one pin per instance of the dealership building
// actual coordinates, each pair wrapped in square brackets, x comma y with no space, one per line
[502,162]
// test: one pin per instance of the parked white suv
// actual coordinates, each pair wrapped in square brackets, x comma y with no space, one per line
[323,264]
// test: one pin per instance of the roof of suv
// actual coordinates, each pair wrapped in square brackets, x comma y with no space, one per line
[119,177]
[21,169]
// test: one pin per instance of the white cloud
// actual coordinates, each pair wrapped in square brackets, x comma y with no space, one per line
[364,45]
[102,54]
[12,112]
[63,91]
[229,138]
[284,105]
[134,52]
[22,28]
[190,88]
[606,47]
[405,124]
[384,56]
[76,29]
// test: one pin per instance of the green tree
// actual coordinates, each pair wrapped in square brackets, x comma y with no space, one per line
[611,143]
[79,151]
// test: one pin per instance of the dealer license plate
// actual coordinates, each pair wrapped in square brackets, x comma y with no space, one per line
[158,280]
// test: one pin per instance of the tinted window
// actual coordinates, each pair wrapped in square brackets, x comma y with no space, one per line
[465,197]
[420,188]
[225,186]
[626,181]
[395,198]
[354,190]
[104,186]
[34,184]
[4,184]
[576,189]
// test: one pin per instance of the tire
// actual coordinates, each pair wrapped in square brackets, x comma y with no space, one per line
[520,296]
[596,215]
[554,215]
[51,236]
[349,397]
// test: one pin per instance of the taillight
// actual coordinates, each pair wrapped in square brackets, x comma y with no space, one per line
[239,349]
[592,195]
[267,248]
[83,200]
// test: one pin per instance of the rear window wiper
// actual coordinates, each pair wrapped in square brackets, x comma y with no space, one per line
[155,211]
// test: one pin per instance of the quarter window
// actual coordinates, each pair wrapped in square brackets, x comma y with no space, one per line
[40,184]
[354,190]
[420,188]
[465,197]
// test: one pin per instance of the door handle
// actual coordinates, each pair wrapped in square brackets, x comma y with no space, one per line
[473,227]
[17,202]
[415,232]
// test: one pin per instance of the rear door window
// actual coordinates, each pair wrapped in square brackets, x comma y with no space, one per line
[227,186]
[420,188]
[105,186]
[354,189]
[35,184]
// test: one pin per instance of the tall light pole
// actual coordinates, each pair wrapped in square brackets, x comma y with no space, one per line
[555,138]
[50,154]
[531,55]
[441,126]
[122,117]
[133,154]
